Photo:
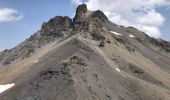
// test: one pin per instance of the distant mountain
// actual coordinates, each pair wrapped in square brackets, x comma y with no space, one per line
[87,58]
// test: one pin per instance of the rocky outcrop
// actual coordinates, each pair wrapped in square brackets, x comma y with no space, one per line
[88,20]
[57,27]
[163,45]
[100,15]
[80,13]
[58,23]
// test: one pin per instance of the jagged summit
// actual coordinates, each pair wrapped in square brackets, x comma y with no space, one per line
[99,14]
[60,23]
[62,27]
[80,13]
[55,26]
[83,14]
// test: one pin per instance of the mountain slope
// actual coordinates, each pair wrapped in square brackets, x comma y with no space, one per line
[88,58]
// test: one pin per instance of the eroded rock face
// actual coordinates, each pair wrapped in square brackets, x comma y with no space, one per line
[85,18]
[58,23]
[100,15]
[80,13]
[163,45]
[55,25]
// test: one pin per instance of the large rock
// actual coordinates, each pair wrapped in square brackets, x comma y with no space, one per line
[100,15]
[59,23]
[80,13]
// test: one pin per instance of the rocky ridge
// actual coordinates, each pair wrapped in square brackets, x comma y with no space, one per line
[57,28]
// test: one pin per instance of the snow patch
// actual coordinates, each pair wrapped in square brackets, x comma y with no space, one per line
[36,61]
[6,87]
[118,69]
[115,33]
[157,57]
[131,36]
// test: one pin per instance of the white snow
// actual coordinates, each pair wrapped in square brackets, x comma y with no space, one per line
[157,57]
[118,69]
[118,26]
[131,36]
[115,33]
[36,61]
[6,87]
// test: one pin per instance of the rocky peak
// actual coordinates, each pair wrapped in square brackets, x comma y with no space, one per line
[88,20]
[100,15]
[59,27]
[58,23]
[55,26]
[80,13]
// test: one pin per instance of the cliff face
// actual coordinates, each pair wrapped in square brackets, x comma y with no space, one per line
[80,14]
[86,58]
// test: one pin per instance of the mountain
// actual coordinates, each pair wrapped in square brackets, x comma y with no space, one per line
[87,58]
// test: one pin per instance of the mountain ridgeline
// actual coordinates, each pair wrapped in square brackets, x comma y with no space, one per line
[62,27]
[87,58]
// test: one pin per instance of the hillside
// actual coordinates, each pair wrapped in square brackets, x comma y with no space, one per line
[87,58]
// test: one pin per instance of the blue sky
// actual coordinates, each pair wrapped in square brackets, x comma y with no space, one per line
[32,13]
[35,12]
[165,29]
